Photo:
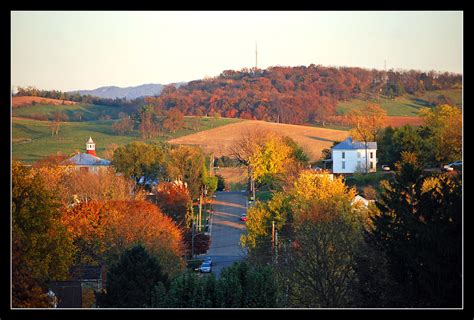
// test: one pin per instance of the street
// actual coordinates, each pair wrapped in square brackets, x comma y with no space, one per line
[227,229]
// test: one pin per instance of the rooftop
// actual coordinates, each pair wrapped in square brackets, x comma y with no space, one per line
[88,159]
[349,144]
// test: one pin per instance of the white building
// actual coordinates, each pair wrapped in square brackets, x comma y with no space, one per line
[352,156]
[88,161]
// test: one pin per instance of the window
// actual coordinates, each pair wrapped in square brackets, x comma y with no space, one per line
[371,164]
[358,164]
[343,164]
[358,154]
[371,155]
[343,155]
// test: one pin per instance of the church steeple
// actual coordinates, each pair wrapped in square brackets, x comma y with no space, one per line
[90,147]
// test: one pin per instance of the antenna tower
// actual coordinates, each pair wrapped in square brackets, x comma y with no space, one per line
[256,54]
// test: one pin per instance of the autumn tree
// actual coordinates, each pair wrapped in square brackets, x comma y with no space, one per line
[174,120]
[148,122]
[109,151]
[42,250]
[445,125]
[124,126]
[175,201]
[367,124]
[103,230]
[269,159]
[318,266]
[55,123]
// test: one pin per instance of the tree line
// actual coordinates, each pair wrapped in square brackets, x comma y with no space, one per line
[293,95]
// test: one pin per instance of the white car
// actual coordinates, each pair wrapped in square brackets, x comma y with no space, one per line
[447,167]
[205,267]
[385,167]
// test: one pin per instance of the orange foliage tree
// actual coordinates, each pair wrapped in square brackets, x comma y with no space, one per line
[104,229]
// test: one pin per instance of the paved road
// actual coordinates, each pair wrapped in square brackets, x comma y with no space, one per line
[227,229]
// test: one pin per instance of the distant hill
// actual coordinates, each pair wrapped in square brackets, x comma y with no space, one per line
[112,92]
[28,101]
[219,140]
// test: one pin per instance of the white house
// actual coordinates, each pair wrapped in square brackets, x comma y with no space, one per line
[351,156]
[88,161]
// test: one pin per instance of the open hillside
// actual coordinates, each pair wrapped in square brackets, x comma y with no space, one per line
[29,100]
[32,140]
[407,105]
[219,140]
[72,112]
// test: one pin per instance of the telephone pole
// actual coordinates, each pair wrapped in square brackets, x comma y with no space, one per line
[273,235]
[256,54]
[192,241]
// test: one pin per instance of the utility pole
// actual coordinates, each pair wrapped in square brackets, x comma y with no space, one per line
[200,210]
[256,53]
[276,245]
[273,235]
[192,241]
[253,189]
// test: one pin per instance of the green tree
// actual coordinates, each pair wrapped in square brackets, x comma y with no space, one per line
[220,182]
[42,250]
[138,159]
[131,282]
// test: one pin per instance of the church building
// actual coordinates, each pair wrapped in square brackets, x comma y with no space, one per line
[89,161]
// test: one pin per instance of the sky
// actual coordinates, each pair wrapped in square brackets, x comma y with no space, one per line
[78,50]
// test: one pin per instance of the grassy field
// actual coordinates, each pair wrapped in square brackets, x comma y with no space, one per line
[407,105]
[219,140]
[31,139]
[88,112]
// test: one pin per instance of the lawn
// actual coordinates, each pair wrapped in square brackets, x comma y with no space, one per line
[32,140]
[87,112]
[406,105]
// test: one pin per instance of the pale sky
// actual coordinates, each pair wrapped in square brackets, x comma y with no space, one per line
[72,50]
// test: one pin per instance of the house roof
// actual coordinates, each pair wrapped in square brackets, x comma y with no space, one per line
[88,159]
[349,144]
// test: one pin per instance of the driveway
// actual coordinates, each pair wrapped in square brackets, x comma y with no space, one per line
[226,229]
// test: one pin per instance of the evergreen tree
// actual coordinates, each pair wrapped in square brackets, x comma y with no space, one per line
[131,282]
[419,229]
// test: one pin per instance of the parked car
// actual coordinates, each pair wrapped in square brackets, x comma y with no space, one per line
[447,167]
[456,165]
[209,260]
[243,217]
[385,167]
[205,267]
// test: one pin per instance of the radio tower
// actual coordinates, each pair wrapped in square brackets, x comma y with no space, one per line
[256,54]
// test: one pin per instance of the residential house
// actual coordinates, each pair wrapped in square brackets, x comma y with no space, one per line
[351,156]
